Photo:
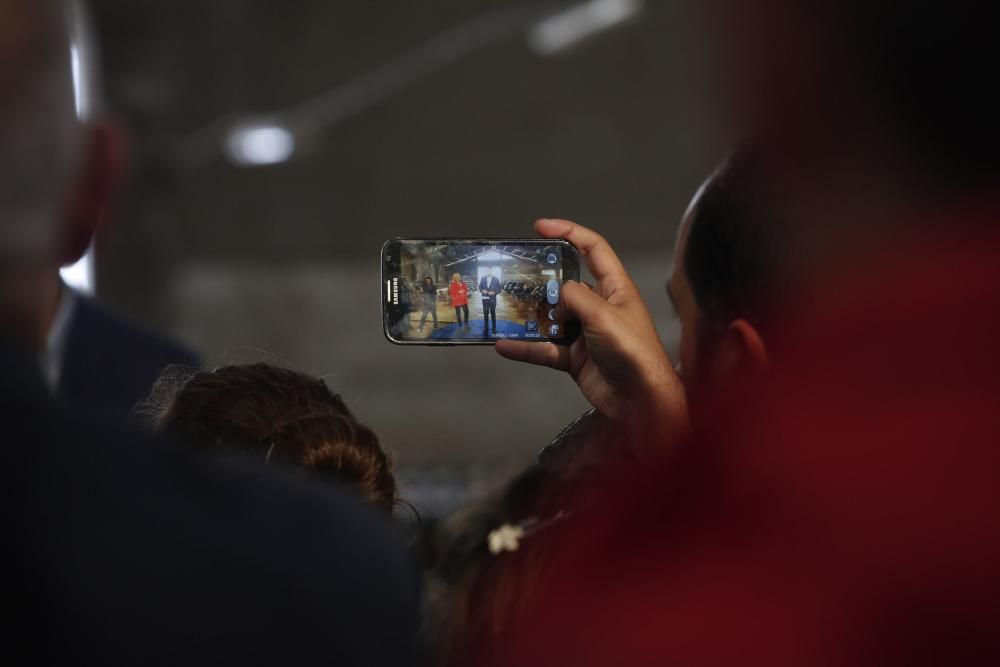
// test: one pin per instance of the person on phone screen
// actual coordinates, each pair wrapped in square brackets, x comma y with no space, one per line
[459,293]
[489,287]
[428,292]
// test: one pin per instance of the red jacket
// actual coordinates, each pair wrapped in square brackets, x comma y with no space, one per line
[459,294]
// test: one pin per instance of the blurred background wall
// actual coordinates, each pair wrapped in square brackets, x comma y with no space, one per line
[479,131]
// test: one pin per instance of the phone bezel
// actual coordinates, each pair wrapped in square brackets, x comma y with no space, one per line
[390,268]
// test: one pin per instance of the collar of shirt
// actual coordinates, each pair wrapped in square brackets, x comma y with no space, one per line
[54,354]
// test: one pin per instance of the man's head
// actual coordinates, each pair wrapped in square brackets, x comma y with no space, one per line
[724,278]
[38,127]
[58,170]
[489,271]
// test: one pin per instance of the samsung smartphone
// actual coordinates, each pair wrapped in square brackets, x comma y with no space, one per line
[476,291]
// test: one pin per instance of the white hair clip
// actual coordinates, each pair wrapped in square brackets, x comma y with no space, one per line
[505,538]
[508,536]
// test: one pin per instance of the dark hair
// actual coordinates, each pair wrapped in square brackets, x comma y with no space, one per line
[279,415]
[478,589]
[734,245]
[474,595]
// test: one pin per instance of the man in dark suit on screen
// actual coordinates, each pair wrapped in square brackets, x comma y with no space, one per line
[489,287]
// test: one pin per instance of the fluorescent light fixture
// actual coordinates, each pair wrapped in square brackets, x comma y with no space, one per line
[260,143]
[81,276]
[566,29]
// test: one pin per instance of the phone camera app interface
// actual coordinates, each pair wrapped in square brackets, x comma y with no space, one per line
[455,292]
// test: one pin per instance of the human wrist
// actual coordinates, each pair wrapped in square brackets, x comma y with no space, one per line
[658,406]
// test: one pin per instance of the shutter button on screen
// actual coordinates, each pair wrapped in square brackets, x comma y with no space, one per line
[553,292]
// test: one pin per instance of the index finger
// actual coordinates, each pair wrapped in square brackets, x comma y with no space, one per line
[598,254]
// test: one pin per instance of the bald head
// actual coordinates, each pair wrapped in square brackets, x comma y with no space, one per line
[39,132]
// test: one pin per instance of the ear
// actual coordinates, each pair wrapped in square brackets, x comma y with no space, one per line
[741,351]
[98,181]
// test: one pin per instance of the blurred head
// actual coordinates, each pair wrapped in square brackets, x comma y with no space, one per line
[59,166]
[278,416]
[456,278]
[489,271]
[868,105]
[428,280]
[724,283]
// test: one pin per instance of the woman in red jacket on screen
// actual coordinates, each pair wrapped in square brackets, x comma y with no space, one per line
[459,292]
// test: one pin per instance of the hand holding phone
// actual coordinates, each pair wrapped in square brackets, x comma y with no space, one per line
[618,361]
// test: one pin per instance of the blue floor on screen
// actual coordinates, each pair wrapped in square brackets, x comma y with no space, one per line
[475,330]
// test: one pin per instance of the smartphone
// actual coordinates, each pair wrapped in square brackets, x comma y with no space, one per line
[476,291]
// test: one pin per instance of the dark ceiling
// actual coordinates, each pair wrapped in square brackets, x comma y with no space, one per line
[615,133]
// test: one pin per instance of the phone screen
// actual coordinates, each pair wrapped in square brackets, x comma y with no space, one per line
[476,291]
